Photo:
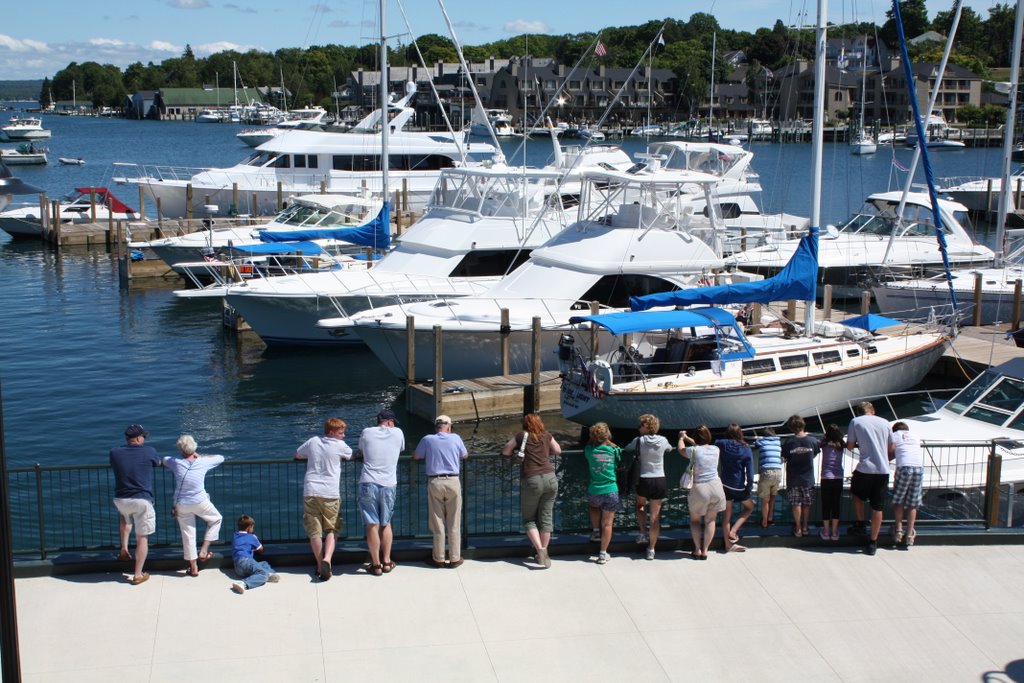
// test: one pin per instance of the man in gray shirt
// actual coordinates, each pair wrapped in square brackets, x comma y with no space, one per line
[870,435]
[380,446]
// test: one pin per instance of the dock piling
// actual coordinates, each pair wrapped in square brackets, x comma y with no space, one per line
[976,318]
[506,332]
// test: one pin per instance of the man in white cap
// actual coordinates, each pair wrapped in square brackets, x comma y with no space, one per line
[378,484]
[133,466]
[443,452]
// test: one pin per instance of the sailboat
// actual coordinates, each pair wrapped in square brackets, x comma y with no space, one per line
[701,365]
[863,143]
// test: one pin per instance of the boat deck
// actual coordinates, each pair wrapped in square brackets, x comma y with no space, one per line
[816,612]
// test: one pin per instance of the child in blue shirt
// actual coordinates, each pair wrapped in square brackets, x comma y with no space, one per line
[243,544]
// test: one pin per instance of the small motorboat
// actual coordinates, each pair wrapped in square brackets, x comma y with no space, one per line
[27,154]
[71,161]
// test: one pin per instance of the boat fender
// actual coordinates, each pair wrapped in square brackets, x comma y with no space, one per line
[602,374]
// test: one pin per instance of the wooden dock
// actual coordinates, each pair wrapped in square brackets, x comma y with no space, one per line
[485,398]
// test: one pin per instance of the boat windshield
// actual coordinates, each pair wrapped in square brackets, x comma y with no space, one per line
[499,195]
[992,398]
[880,219]
[714,160]
[318,216]
[259,159]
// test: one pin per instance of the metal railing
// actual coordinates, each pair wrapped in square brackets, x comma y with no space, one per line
[69,508]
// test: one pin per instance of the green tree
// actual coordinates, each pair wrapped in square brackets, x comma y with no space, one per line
[970,37]
[44,94]
[999,34]
[915,21]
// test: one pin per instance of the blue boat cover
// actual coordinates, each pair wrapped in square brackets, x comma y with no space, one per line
[307,248]
[376,233]
[796,281]
[871,322]
[627,322]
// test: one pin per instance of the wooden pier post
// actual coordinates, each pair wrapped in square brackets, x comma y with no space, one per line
[755,319]
[438,379]
[255,211]
[1016,304]
[410,349]
[533,402]
[595,308]
[56,222]
[506,333]
[865,302]
[323,187]
[142,203]
[405,194]
[188,201]
[988,196]
[234,197]
[92,206]
[791,310]
[976,318]
[827,302]
[159,216]
[280,196]
[110,225]
[44,214]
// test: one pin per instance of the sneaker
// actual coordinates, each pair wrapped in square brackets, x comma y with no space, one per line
[642,539]
[543,558]
[897,535]
[871,548]
[824,534]
[595,536]
[238,588]
[835,535]
[273,578]
[909,540]
[650,554]
[325,570]
[603,557]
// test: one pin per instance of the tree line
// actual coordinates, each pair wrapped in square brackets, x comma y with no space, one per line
[314,73]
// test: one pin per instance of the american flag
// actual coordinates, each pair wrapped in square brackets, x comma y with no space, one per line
[897,164]
[600,50]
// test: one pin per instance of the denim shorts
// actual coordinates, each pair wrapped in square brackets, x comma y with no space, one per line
[608,502]
[377,503]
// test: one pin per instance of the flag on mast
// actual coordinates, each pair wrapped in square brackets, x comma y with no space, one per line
[600,50]
[661,38]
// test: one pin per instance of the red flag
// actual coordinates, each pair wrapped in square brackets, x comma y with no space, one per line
[600,50]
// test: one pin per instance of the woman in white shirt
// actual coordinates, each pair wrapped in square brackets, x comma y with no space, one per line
[191,500]
[707,497]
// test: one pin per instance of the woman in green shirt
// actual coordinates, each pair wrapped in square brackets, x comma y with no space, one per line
[602,493]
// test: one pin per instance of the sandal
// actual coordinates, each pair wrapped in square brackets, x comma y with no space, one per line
[205,557]
[376,569]
[192,572]
[695,555]
[736,548]
[124,557]
[387,567]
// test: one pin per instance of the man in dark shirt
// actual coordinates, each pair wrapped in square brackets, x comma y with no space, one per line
[133,466]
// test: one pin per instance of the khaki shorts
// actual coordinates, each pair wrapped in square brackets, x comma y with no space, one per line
[768,483]
[137,511]
[706,498]
[320,515]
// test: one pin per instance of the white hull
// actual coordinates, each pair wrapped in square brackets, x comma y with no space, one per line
[28,134]
[919,299]
[749,404]
[20,159]
[863,148]
[255,138]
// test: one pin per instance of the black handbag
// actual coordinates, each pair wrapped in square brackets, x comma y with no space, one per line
[627,476]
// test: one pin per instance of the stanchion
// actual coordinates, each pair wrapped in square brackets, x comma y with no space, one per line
[10,657]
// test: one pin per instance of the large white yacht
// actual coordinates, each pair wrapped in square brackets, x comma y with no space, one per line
[480,223]
[632,236]
[25,128]
[874,245]
[307,162]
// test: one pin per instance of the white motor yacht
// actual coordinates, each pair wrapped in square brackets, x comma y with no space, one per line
[25,128]
[306,118]
[500,122]
[479,224]
[631,236]
[873,245]
[77,207]
[983,193]
[307,162]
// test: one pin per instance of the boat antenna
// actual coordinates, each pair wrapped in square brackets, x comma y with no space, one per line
[477,102]
[1011,110]
[922,146]
[817,147]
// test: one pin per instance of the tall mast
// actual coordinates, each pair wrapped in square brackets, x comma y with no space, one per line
[817,140]
[385,160]
[1011,110]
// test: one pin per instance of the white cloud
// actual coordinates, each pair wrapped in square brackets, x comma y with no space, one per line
[207,49]
[319,7]
[239,8]
[519,26]
[164,46]
[22,45]
[107,42]
[188,4]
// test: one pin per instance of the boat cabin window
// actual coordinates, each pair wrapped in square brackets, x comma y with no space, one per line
[397,162]
[305,161]
[260,159]
[729,210]
[615,290]
[283,161]
[487,263]
[998,404]
[969,394]
[791,362]
[758,366]
[826,357]
[852,353]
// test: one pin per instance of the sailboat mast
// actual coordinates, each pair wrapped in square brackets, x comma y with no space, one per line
[817,140]
[711,93]
[863,84]
[1011,110]
[385,159]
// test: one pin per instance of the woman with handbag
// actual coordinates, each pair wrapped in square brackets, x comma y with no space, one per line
[650,448]
[538,488]
[707,498]
[191,500]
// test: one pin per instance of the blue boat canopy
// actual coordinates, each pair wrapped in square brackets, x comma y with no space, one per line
[797,280]
[721,320]
[871,322]
[307,248]
[375,234]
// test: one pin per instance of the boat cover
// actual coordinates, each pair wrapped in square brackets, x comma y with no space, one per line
[646,321]
[797,281]
[376,233]
[112,202]
[871,322]
[307,248]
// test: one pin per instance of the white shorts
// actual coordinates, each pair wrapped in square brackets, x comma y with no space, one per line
[137,511]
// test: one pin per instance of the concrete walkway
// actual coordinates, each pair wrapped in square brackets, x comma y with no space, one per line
[934,613]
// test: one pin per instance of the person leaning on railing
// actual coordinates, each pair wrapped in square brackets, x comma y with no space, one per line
[533,448]
[191,500]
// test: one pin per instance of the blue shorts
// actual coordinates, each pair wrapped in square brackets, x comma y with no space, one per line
[377,503]
[608,502]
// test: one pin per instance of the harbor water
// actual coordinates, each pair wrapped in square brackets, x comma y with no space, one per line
[81,358]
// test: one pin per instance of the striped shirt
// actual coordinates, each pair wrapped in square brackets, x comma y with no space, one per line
[769,449]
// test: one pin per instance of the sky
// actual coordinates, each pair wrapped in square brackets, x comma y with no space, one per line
[36,41]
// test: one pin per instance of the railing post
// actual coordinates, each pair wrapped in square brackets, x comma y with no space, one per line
[438,366]
[40,514]
[533,404]
[993,475]
[463,520]
[976,318]
[506,331]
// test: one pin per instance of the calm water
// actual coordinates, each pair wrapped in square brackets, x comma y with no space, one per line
[81,358]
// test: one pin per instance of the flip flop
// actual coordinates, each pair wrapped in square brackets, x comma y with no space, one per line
[124,557]
[206,557]
[192,572]
[387,567]
[136,580]
[736,548]
[695,555]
